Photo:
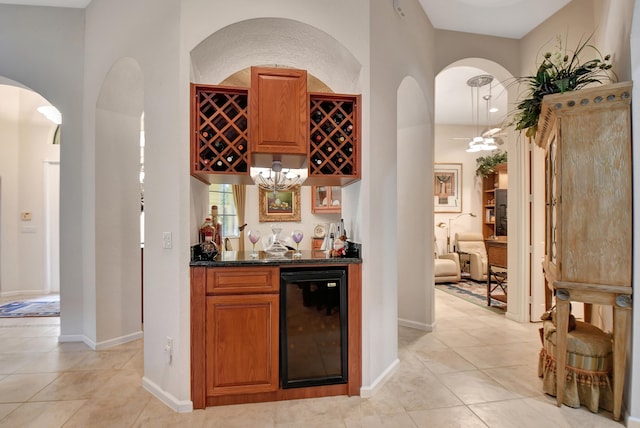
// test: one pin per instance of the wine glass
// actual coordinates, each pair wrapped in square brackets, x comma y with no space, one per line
[254,237]
[297,236]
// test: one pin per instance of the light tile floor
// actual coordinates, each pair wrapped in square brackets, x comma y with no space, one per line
[477,369]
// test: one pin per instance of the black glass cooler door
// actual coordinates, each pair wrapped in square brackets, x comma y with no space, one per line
[313,327]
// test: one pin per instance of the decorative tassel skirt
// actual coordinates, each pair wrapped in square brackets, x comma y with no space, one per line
[588,370]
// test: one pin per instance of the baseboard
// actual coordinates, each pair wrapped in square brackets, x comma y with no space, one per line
[633,422]
[66,338]
[118,341]
[25,293]
[63,338]
[370,391]
[416,325]
[169,400]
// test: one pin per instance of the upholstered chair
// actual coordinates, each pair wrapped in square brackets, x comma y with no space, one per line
[471,245]
[446,267]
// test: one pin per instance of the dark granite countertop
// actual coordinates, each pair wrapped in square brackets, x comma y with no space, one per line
[237,258]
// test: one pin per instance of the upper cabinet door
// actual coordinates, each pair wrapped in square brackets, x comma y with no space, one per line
[279,112]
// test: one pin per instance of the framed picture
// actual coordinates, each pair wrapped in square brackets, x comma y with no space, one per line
[281,206]
[447,178]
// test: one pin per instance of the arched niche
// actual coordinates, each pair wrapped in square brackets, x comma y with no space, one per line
[414,208]
[278,42]
[117,204]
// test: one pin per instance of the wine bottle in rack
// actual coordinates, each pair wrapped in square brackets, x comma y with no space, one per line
[347,129]
[338,118]
[219,145]
[317,116]
[348,148]
[219,165]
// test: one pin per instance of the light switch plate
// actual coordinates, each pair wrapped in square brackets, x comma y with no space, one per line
[166,240]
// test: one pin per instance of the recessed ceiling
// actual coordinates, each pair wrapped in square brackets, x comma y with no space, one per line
[502,18]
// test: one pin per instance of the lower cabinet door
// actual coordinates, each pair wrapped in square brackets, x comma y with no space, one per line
[242,344]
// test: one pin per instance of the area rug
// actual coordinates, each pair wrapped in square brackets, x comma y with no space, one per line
[41,307]
[474,292]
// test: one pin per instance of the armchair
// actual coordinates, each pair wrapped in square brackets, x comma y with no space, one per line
[472,244]
[446,268]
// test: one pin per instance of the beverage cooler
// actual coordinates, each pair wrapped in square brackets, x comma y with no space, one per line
[313,326]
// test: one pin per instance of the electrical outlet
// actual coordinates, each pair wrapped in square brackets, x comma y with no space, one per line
[166,240]
[25,216]
[168,350]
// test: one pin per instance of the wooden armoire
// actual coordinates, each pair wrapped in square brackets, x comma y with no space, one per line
[586,135]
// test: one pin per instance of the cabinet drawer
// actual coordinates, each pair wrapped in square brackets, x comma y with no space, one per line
[243,280]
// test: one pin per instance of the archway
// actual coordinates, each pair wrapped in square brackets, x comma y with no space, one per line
[518,208]
[29,194]
[117,205]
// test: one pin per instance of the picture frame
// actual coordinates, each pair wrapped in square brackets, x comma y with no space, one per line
[283,206]
[447,187]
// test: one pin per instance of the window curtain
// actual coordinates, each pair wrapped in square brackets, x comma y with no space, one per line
[239,198]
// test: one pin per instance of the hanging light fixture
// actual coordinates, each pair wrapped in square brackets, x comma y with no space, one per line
[479,143]
[274,179]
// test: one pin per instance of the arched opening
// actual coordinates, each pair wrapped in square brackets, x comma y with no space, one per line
[29,197]
[415,284]
[458,120]
[118,130]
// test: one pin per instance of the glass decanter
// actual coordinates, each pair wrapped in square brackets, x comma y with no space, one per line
[274,246]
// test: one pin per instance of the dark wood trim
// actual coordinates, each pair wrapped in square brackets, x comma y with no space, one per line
[198,311]
[355,328]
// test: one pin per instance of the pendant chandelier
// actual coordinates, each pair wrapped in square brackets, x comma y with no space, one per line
[480,142]
[275,180]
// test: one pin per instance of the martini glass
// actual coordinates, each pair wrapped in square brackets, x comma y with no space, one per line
[297,236]
[254,237]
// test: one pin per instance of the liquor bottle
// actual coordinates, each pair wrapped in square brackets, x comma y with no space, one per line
[206,230]
[217,235]
[343,232]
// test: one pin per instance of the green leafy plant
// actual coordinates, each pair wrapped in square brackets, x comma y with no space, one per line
[485,165]
[559,72]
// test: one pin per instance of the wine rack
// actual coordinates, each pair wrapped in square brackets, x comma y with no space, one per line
[220,130]
[334,135]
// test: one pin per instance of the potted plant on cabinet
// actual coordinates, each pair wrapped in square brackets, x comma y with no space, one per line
[560,71]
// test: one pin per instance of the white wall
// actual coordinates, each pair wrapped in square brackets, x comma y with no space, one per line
[9,138]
